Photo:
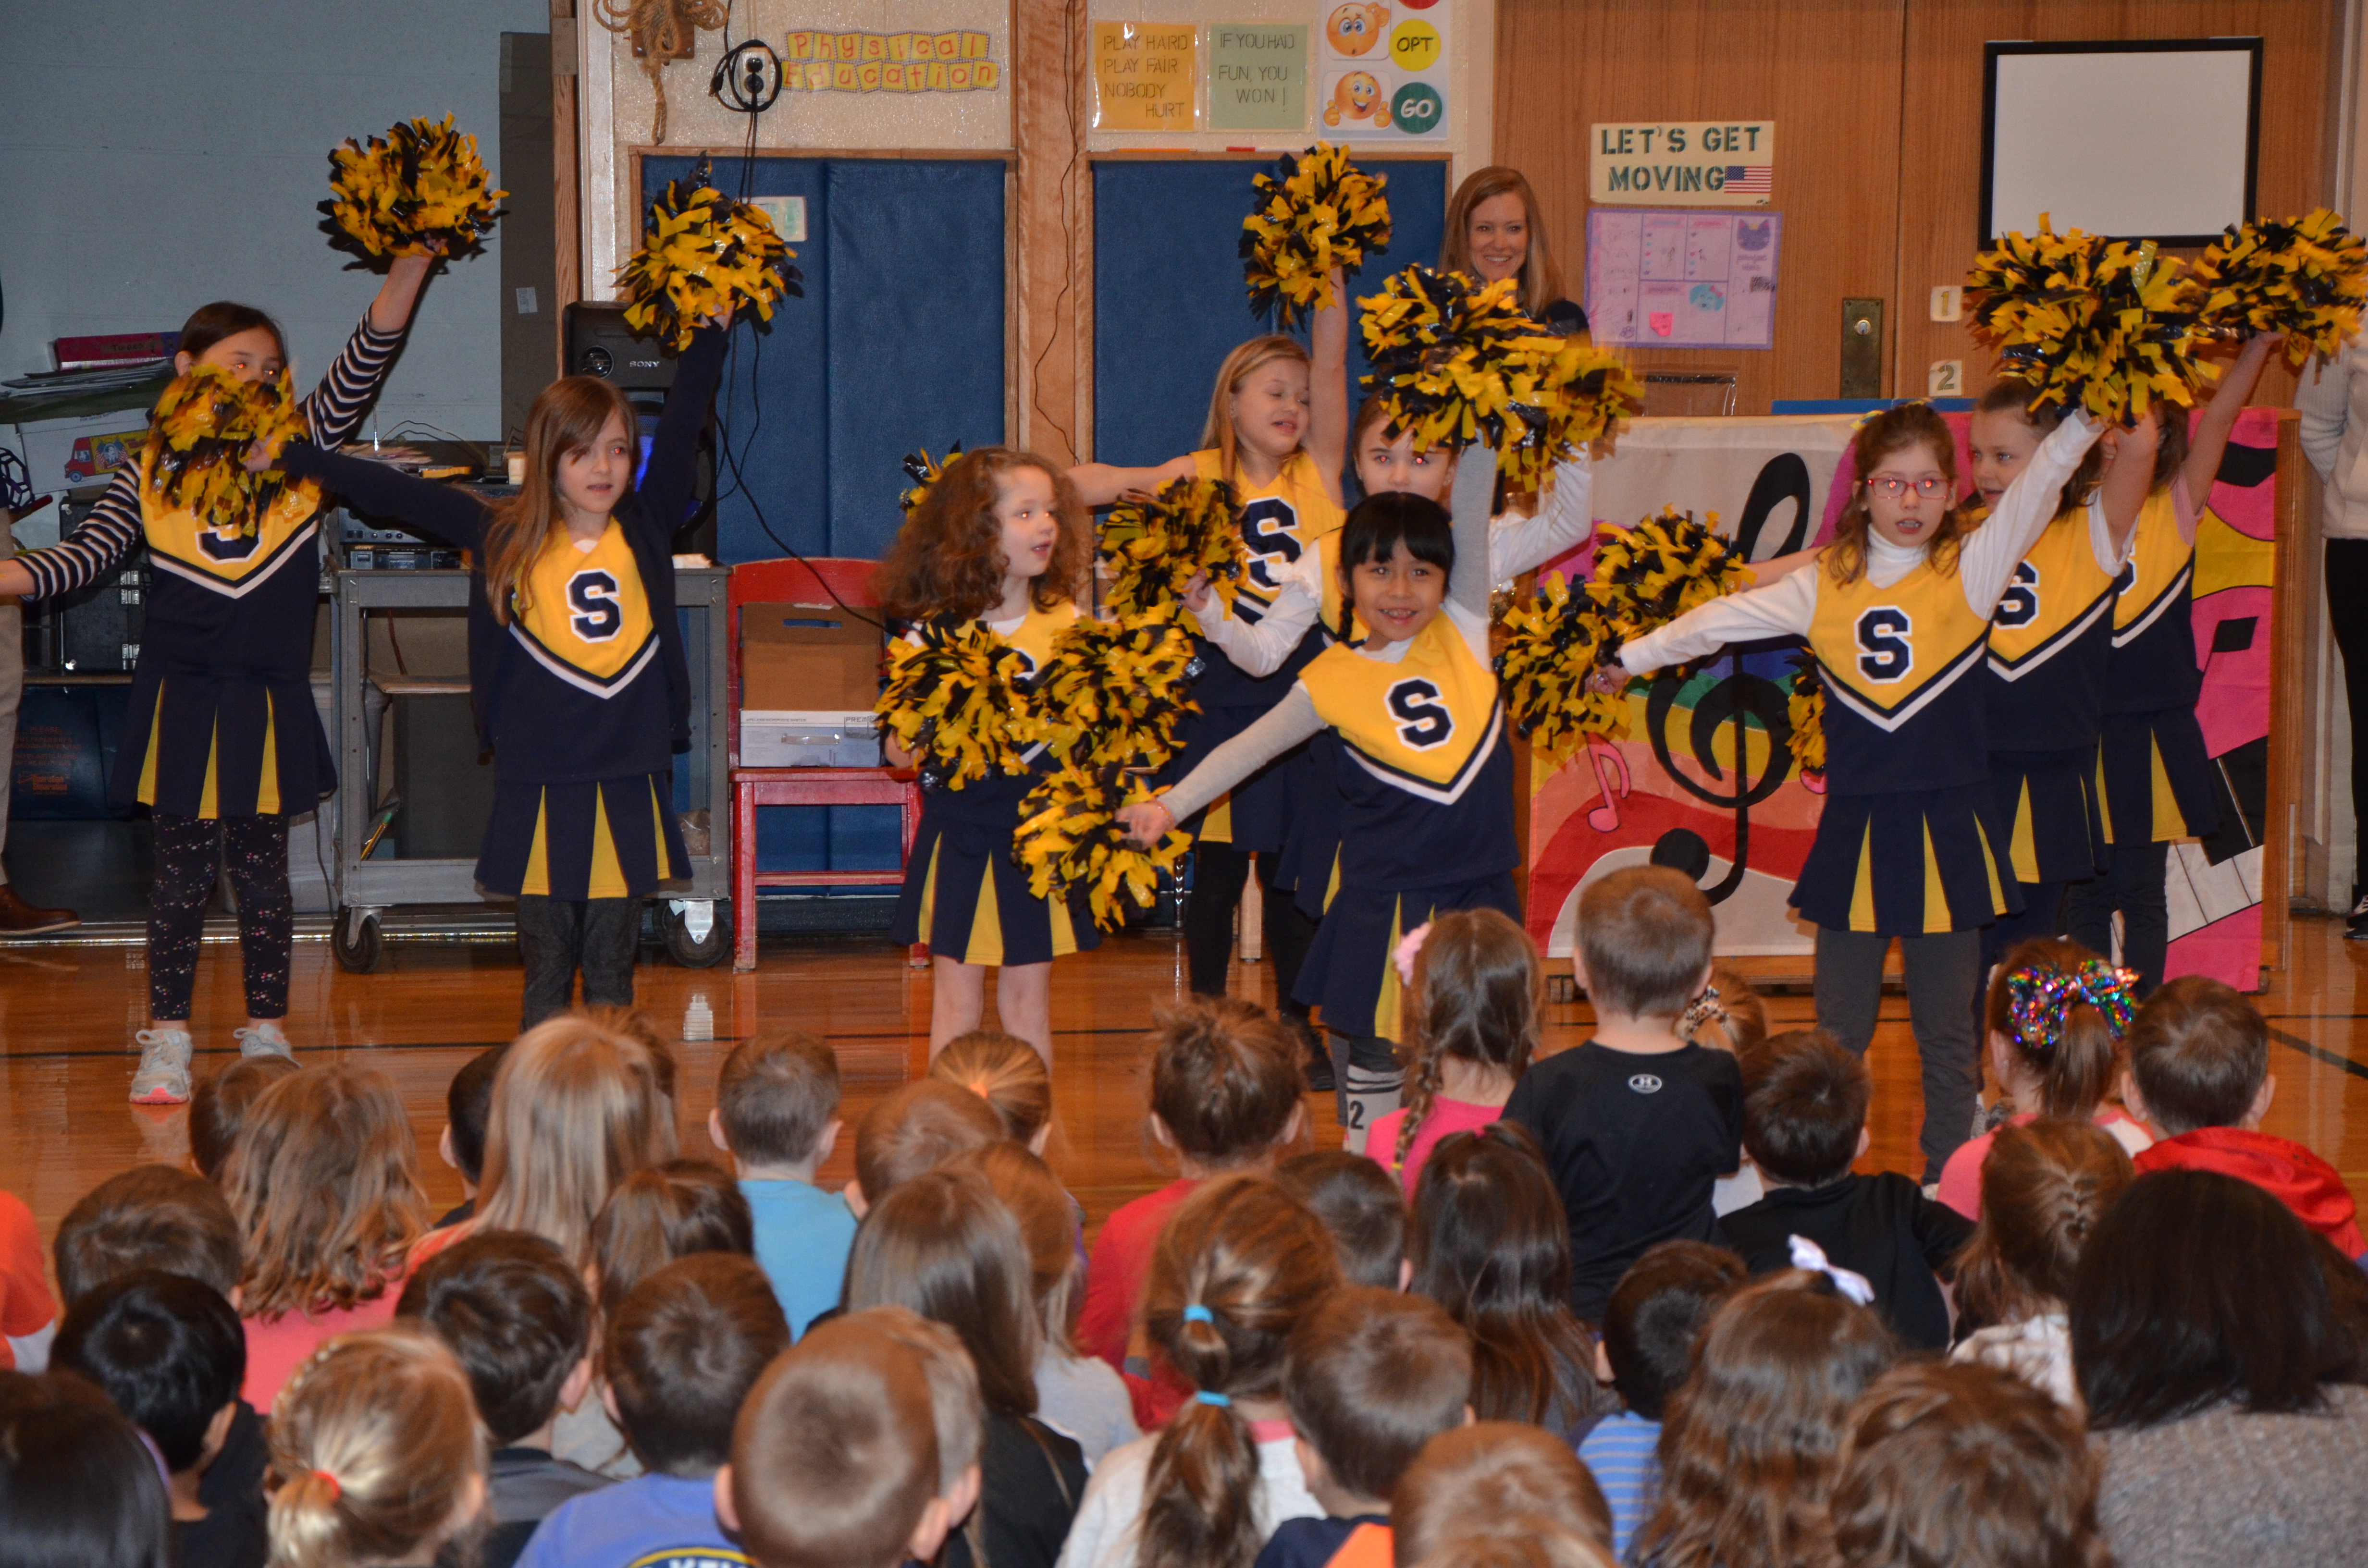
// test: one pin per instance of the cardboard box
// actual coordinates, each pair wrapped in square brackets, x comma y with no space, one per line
[807,658]
[63,453]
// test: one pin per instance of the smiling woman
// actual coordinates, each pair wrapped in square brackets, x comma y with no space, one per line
[1495,230]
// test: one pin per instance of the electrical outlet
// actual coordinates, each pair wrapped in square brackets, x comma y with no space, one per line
[1949,303]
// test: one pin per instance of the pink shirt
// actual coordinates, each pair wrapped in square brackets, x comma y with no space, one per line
[1446,1117]
[1961,1178]
[274,1350]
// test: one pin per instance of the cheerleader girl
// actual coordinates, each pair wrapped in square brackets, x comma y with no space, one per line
[1002,538]
[2158,782]
[1897,614]
[238,747]
[577,669]
[1278,428]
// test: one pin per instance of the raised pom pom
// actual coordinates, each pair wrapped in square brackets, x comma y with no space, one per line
[1648,575]
[922,471]
[2304,277]
[1457,363]
[1804,707]
[1155,547]
[198,440]
[954,701]
[702,252]
[2090,322]
[1315,212]
[1549,650]
[1069,836]
[419,187]
[1112,691]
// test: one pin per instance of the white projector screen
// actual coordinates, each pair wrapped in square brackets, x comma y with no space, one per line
[2135,139]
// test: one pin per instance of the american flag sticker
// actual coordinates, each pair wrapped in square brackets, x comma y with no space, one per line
[1748,179]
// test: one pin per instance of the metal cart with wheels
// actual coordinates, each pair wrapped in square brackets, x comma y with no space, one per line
[365,887]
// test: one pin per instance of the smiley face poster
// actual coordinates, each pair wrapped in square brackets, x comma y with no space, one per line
[1382,69]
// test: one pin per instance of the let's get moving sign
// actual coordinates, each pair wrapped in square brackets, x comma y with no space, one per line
[1693,163]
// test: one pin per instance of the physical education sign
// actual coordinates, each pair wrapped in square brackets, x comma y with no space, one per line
[1682,280]
[1688,163]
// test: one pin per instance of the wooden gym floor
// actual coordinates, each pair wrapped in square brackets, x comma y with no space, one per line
[67,1013]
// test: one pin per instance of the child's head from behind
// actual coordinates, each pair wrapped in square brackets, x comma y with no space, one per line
[1398,551]
[2055,1016]
[2045,1184]
[1026,1187]
[915,1130]
[1805,1102]
[576,1110]
[325,1187]
[1655,1315]
[1261,404]
[1225,1082]
[148,1217]
[2200,1056]
[376,1453]
[1007,1072]
[1903,491]
[468,1105]
[78,1489]
[1966,1465]
[995,514]
[169,1351]
[662,1213]
[1493,1477]
[680,1354]
[1362,1207]
[777,1102]
[515,1313]
[218,1107]
[1476,997]
[1731,1016]
[1372,1376]
[1645,934]
[943,1246]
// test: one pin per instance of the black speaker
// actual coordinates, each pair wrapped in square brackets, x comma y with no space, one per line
[600,344]
[95,628]
[447,788]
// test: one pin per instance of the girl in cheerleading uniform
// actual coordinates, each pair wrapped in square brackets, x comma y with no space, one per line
[1278,429]
[1897,612]
[222,741]
[1425,765]
[2158,782]
[577,669]
[1002,538]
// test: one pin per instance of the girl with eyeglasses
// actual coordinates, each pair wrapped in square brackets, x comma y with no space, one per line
[1910,845]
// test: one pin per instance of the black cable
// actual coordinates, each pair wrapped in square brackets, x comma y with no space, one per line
[1068,236]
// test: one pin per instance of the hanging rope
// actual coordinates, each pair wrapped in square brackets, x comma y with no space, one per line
[661,30]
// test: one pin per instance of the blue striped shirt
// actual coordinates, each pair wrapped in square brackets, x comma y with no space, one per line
[1622,1453]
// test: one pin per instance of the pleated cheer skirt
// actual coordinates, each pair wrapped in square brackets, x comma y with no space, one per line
[609,838]
[1910,864]
[2055,830]
[966,897]
[1350,974]
[2159,784]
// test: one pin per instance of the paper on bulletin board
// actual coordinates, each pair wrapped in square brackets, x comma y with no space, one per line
[1257,76]
[1688,163]
[1146,76]
[1382,67]
[1678,280]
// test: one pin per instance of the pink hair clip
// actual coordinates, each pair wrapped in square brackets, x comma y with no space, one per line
[1409,944]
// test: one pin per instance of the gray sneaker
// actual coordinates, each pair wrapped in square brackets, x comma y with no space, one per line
[263,1039]
[164,1075]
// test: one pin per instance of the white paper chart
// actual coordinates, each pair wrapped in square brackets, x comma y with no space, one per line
[1682,280]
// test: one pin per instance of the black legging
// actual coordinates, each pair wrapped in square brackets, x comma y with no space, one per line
[190,853]
[2347,616]
[557,937]
[1219,873]
[2134,886]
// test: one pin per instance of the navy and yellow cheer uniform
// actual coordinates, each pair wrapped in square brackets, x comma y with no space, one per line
[2159,778]
[964,895]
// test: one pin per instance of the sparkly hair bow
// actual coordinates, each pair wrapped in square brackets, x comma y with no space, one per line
[2040,1001]
[1706,1009]
[1808,1254]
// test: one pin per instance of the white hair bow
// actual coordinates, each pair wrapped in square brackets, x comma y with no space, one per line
[1808,1254]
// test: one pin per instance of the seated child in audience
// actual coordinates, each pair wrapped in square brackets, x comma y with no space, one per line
[519,1320]
[1236,1268]
[1080,1396]
[834,1460]
[1730,1017]
[218,1107]
[1495,1478]
[1536,1545]
[1361,1206]
[170,1354]
[1637,1124]
[468,1105]
[677,1360]
[78,1488]
[324,1184]
[1489,1245]
[27,1316]
[1805,1121]
[913,1131]
[660,1214]
[2044,1186]
[1966,1466]
[1224,1097]
[944,1247]
[956,1407]
[1748,1442]
[1473,989]
[376,1454]
[1009,1075]
[777,1117]
[162,1217]
[2200,1076]
[637,1025]
[2054,1050]
[1647,1352]
[1372,1376]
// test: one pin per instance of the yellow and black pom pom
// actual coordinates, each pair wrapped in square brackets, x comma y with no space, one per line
[1155,547]
[419,186]
[922,471]
[1457,363]
[1069,836]
[198,440]
[2304,277]
[1804,708]
[1648,575]
[1315,212]
[701,251]
[1549,650]
[955,701]
[2090,322]
[1112,691]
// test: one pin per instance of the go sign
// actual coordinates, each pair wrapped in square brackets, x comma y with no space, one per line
[1416,109]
